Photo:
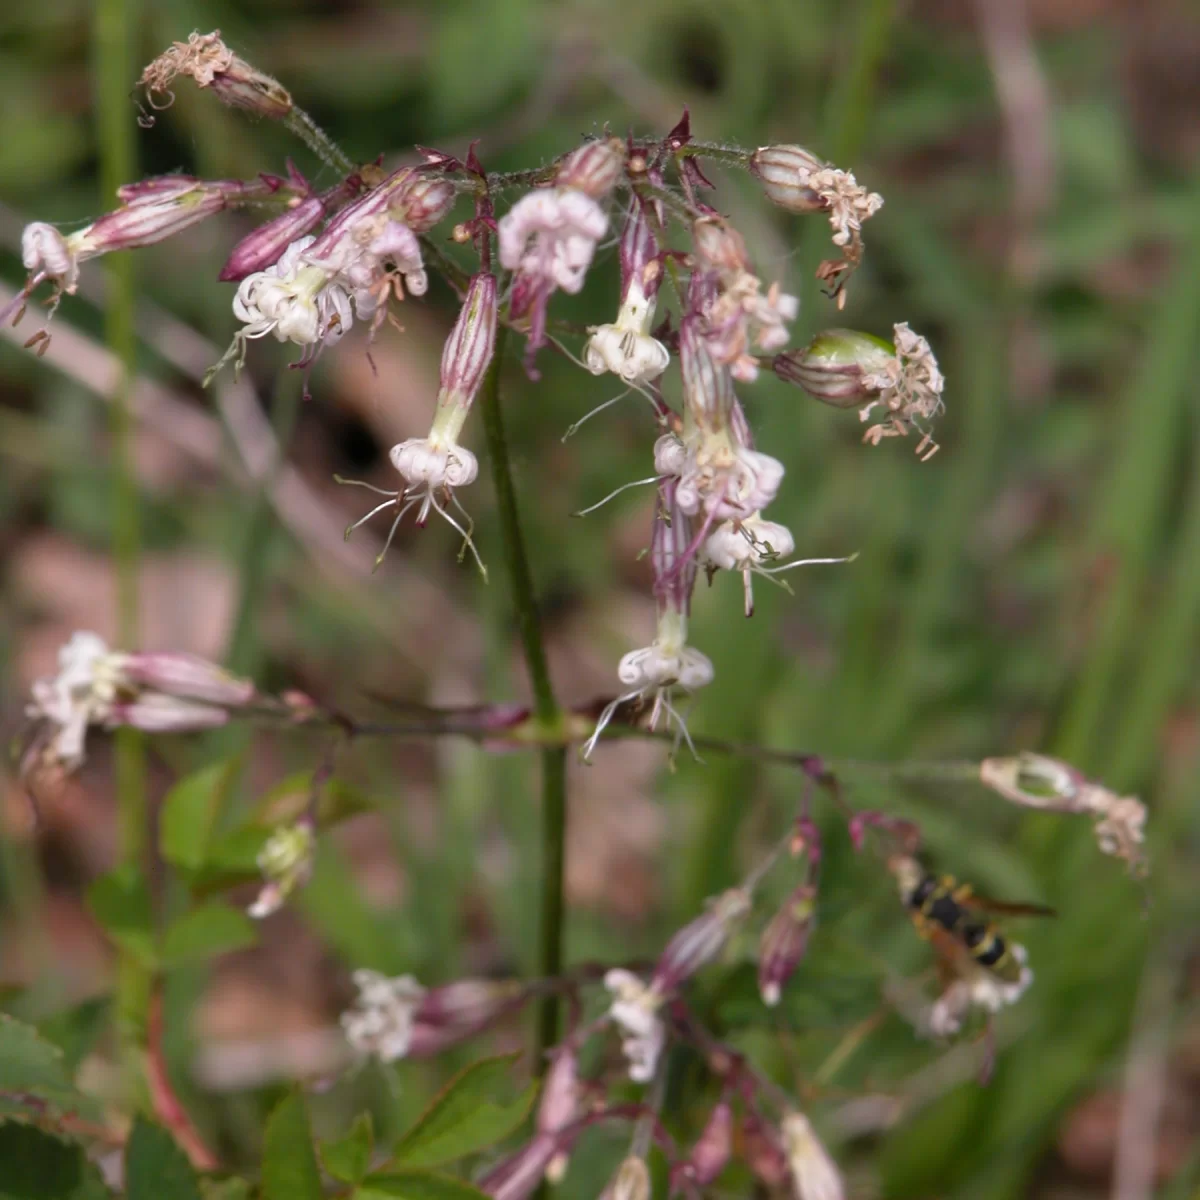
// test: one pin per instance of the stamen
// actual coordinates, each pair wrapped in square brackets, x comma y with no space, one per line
[583,512]
[363,484]
[363,520]
[606,716]
[388,544]
[468,541]
[806,562]
[571,429]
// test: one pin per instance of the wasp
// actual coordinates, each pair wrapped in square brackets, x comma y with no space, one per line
[947,912]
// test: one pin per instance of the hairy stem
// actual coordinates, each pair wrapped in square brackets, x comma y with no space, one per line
[546,710]
[318,141]
[115,21]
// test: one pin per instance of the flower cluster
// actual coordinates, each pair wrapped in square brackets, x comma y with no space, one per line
[155,692]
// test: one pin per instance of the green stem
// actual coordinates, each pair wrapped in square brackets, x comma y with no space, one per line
[318,141]
[115,21]
[243,653]
[549,715]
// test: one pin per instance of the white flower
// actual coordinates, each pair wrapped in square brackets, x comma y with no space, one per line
[381,1021]
[427,464]
[980,988]
[814,1172]
[727,482]
[656,671]
[670,455]
[634,1011]
[551,234]
[755,547]
[747,545]
[625,348]
[286,862]
[81,694]
[44,250]
[294,301]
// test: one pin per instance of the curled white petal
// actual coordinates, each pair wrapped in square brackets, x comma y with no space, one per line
[381,1021]
[426,464]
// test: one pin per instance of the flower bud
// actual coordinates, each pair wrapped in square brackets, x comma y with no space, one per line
[559,1103]
[156,216]
[518,1176]
[833,366]
[423,202]
[593,168]
[699,942]
[782,171]
[472,342]
[713,1148]
[707,385]
[814,1173]
[631,1182]
[188,676]
[762,1151]
[784,942]
[719,246]
[467,1002]
[154,713]
[264,247]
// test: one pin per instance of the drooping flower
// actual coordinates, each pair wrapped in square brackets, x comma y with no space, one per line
[626,347]
[635,1011]
[156,692]
[740,316]
[549,236]
[382,1019]
[977,987]
[752,547]
[433,467]
[654,673]
[293,301]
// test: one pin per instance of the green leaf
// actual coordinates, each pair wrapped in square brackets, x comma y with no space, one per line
[37,1166]
[225,1189]
[34,1084]
[290,1169]
[288,800]
[205,932]
[74,1030]
[466,1116]
[191,811]
[349,1157]
[120,901]
[236,853]
[156,1168]
[416,1185]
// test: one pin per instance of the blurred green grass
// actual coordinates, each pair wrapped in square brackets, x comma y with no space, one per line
[1036,584]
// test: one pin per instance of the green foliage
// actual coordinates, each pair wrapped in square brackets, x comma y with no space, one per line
[348,1158]
[120,901]
[416,1185]
[156,1168]
[289,1169]
[38,1166]
[204,932]
[467,1116]
[191,813]
[34,1084]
